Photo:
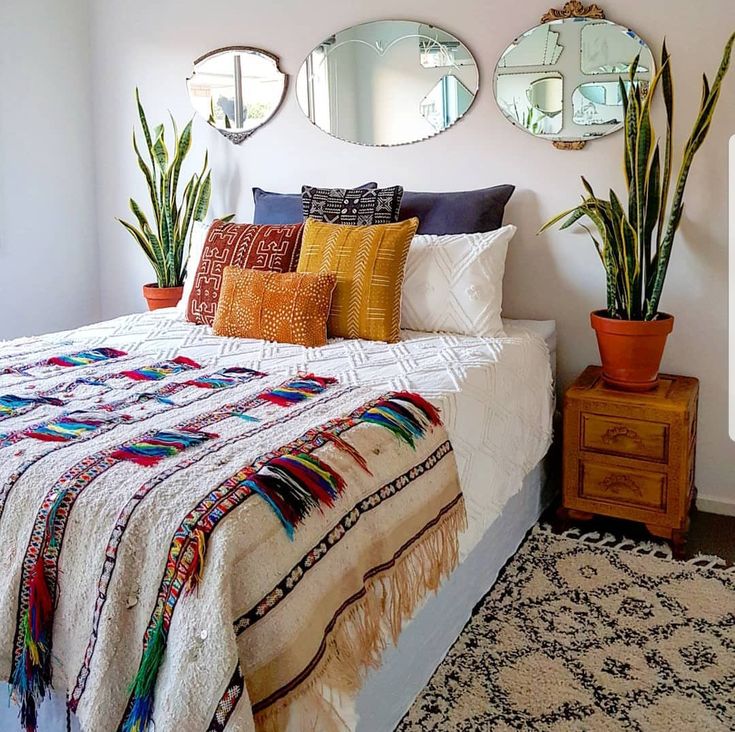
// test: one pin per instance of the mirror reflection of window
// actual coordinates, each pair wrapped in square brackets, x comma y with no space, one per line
[236,90]
[446,102]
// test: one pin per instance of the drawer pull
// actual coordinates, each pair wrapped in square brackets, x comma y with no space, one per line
[617,483]
[617,433]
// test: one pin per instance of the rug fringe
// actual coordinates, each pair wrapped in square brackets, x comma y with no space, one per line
[361,634]
[660,550]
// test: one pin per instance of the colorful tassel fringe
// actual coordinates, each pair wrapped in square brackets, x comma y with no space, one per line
[161,370]
[32,674]
[67,428]
[405,414]
[297,390]
[84,358]
[226,378]
[144,683]
[9,403]
[163,444]
[294,485]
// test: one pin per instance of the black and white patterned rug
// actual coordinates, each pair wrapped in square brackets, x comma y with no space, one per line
[584,632]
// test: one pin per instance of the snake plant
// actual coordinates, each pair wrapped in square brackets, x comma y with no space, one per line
[635,246]
[165,242]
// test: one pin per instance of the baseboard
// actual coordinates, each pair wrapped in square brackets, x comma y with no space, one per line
[716,505]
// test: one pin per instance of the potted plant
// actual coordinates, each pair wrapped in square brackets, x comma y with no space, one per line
[635,245]
[165,242]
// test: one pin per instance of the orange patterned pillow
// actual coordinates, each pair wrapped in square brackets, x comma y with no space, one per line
[288,308]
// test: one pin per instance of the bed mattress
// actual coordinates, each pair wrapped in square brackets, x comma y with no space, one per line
[496,394]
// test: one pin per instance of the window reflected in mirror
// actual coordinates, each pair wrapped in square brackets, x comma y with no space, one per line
[236,90]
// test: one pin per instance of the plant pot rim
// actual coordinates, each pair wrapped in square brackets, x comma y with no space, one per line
[660,316]
[154,286]
[662,325]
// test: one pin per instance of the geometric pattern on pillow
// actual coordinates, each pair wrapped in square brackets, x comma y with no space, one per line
[369,262]
[265,248]
[352,206]
[454,283]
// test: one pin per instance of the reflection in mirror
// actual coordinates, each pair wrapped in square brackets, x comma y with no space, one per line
[611,49]
[446,102]
[537,47]
[542,86]
[533,101]
[237,90]
[387,83]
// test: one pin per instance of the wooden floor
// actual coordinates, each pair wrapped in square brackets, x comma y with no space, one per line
[709,533]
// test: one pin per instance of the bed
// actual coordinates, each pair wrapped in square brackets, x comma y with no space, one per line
[496,402]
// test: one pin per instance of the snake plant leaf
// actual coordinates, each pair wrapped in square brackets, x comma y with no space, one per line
[143,122]
[140,239]
[652,206]
[203,196]
[182,150]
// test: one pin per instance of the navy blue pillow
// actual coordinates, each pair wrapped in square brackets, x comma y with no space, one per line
[282,208]
[461,212]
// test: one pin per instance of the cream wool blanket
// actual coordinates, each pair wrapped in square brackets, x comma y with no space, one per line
[145,507]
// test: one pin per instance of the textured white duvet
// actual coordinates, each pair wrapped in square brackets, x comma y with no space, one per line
[495,394]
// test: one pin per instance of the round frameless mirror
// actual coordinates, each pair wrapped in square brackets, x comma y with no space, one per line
[561,80]
[237,89]
[389,82]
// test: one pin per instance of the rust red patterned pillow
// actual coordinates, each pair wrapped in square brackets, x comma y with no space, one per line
[266,248]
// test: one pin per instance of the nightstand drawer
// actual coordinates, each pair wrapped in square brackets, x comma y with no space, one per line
[622,436]
[600,482]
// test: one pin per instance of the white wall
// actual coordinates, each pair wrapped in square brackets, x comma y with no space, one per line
[153,44]
[48,254]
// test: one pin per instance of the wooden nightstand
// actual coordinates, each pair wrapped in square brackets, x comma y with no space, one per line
[631,455]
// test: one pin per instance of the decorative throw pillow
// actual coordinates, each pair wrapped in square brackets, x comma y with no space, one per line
[460,212]
[369,263]
[288,307]
[282,208]
[454,283]
[268,248]
[352,206]
[199,231]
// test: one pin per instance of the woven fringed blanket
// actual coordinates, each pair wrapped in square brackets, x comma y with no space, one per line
[209,547]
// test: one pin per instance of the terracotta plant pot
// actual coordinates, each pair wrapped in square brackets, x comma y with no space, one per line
[162,297]
[631,350]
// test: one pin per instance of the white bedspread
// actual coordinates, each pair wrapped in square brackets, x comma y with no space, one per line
[495,394]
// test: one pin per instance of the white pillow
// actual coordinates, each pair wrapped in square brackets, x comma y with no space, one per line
[198,237]
[454,283]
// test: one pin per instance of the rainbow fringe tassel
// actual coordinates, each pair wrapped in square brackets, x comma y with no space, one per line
[294,485]
[163,444]
[9,403]
[297,389]
[67,428]
[405,414]
[84,358]
[226,378]
[161,370]
[32,674]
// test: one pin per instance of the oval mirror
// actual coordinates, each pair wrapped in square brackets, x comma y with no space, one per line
[237,89]
[389,82]
[560,80]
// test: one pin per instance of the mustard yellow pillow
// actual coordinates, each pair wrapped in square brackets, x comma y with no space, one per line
[369,262]
[287,308]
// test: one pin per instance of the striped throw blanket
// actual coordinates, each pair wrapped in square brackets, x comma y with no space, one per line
[209,547]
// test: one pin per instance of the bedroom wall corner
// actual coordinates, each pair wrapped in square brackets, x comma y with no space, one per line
[48,253]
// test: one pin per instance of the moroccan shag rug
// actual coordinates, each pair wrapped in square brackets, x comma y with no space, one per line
[584,632]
